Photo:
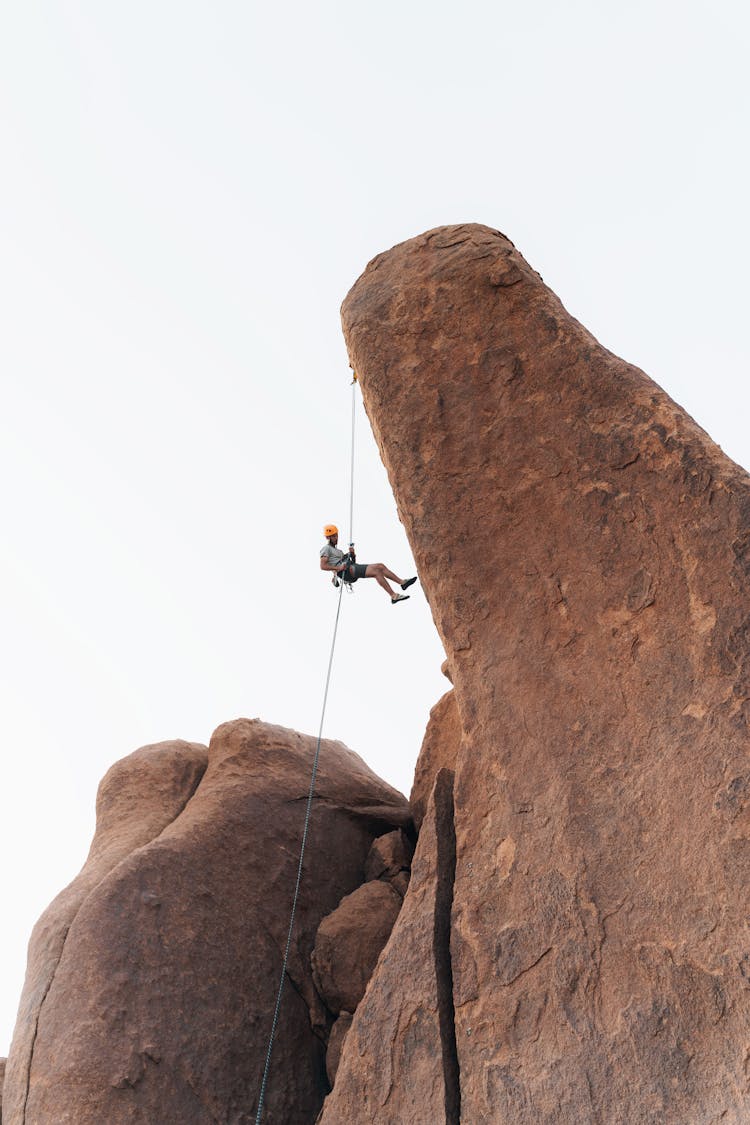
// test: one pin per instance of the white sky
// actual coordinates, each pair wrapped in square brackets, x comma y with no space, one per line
[187,192]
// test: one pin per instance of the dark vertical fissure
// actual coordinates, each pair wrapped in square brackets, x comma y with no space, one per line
[446,874]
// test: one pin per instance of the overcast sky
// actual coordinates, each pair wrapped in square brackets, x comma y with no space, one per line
[187,193]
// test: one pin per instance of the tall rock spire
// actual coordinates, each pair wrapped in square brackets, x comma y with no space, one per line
[585,549]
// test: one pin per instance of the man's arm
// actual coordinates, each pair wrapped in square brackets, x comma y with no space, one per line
[326,565]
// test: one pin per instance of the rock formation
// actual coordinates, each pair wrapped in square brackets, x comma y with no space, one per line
[572,945]
[2,1082]
[152,979]
[585,549]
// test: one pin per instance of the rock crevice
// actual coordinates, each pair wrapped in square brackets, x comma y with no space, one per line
[404,1023]
[29,1062]
[445,878]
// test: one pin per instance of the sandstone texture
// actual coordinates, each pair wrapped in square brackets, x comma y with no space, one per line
[440,747]
[585,550]
[2,1082]
[152,979]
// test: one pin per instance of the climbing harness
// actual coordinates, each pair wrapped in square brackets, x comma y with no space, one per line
[308,810]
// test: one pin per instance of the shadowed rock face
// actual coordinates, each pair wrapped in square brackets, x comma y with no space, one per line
[585,549]
[398,1062]
[152,979]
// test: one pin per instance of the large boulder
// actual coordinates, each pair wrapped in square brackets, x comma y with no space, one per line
[159,1006]
[585,549]
[349,942]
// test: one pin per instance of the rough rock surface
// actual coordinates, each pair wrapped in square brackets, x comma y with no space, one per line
[440,746]
[401,1046]
[349,942]
[159,1005]
[138,797]
[2,1082]
[389,856]
[336,1041]
[601,662]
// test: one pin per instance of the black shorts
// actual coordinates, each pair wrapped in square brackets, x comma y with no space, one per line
[355,571]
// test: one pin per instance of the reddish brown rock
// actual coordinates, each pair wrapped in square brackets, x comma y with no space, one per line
[602,674]
[399,1059]
[349,942]
[2,1082]
[137,799]
[440,748]
[336,1042]
[160,1005]
[400,882]
[389,856]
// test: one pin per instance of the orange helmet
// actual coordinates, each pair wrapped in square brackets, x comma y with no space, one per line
[330,529]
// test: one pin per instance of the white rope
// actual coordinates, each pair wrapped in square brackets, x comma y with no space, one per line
[351,475]
[308,810]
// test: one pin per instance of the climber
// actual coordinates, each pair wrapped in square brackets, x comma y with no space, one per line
[333,559]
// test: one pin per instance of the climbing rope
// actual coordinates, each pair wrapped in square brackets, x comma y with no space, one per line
[308,810]
[351,475]
[299,871]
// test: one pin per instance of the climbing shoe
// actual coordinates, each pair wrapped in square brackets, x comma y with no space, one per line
[409,582]
[399,598]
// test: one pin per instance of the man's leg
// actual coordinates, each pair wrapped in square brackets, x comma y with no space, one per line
[381,573]
[404,584]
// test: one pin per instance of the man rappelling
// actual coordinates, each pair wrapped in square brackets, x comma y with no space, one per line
[345,567]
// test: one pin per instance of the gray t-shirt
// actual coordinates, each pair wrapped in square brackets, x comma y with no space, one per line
[333,554]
